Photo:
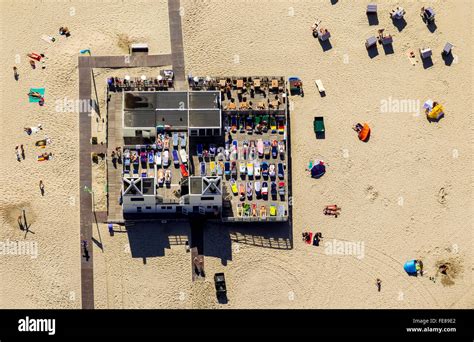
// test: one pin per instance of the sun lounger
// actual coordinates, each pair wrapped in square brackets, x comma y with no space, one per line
[168,177]
[254,210]
[281,149]
[199,150]
[161,176]
[263,212]
[281,210]
[212,150]
[246,208]
[227,168]
[249,190]
[233,187]
[166,159]
[260,148]
[233,169]
[212,168]
[202,168]
[175,157]
[239,210]
[264,167]
[158,158]
[265,190]
[175,139]
[242,169]
[273,209]
[281,171]
[273,126]
[281,125]
[184,170]
[151,158]
[183,140]
[242,191]
[250,169]
[183,155]
[319,85]
[233,124]
[257,171]
[220,168]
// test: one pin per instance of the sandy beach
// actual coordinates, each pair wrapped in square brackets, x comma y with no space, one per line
[405,194]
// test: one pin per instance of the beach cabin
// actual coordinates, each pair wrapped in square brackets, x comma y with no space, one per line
[425,53]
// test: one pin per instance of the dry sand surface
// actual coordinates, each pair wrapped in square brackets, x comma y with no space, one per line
[405,194]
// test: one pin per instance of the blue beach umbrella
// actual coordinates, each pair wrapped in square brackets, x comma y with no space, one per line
[318,170]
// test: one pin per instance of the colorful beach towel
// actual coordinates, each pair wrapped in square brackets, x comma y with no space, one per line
[36,90]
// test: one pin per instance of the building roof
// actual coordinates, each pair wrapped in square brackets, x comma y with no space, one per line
[197,109]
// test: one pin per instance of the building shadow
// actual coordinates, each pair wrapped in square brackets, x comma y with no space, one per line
[373,19]
[400,24]
[151,238]
[427,62]
[320,135]
[432,27]
[388,49]
[325,45]
[373,51]
[448,59]
[274,235]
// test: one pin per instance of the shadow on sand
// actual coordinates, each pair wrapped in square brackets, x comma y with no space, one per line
[151,238]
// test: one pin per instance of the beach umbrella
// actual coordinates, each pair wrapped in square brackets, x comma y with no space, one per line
[410,267]
[196,79]
[143,77]
[318,169]
[127,77]
[436,113]
[160,77]
[364,132]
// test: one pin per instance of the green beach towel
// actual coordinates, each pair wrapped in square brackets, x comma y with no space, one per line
[36,90]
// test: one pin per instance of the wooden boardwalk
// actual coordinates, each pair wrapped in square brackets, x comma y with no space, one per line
[177,49]
[114,175]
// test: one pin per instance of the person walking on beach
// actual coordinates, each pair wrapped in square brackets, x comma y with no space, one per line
[15,73]
[41,187]
[114,159]
[22,152]
[378,282]
[18,154]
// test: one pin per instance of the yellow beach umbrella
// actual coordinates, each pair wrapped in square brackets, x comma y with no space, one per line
[436,113]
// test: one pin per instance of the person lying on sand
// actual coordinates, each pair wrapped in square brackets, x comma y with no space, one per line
[64,31]
[332,210]
[35,94]
[306,237]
